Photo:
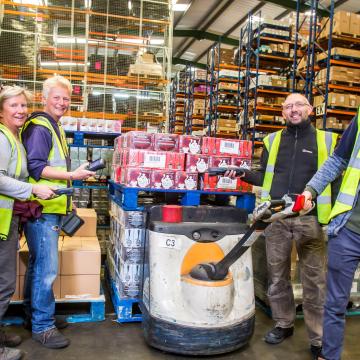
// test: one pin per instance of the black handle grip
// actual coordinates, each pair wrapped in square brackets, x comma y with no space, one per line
[279,202]
[96,165]
[223,170]
[64,191]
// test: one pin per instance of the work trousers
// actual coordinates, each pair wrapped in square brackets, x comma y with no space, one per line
[8,256]
[343,260]
[309,240]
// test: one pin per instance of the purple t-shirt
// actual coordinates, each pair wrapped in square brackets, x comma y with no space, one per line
[37,141]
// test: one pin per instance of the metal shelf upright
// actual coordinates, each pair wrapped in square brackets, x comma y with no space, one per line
[172,107]
[189,99]
[257,58]
[212,89]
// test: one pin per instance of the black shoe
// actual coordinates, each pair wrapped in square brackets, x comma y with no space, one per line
[10,354]
[52,339]
[10,340]
[315,351]
[278,334]
[59,323]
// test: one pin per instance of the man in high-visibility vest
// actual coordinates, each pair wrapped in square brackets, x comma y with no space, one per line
[48,163]
[344,234]
[289,159]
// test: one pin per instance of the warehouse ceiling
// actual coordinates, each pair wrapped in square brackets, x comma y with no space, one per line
[204,19]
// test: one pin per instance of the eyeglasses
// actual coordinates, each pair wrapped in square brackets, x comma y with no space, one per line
[297,104]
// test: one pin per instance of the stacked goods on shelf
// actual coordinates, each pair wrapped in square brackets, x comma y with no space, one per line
[343,73]
[227,86]
[189,99]
[271,81]
[226,56]
[70,123]
[339,74]
[125,253]
[79,262]
[93,192]
[303,30]
[344,23]
[272,28]
[268,47]
[169,161]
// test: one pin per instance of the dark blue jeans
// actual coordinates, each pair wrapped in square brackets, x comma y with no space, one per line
[42,237]
[343,259]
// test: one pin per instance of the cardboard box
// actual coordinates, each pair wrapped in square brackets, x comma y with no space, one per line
[219,183]
[186,180]
[132,255]
[56,287]
[163,179]
[354,24]
[220,161]
[227,147]
[208,146]
[189,144]
[196,163]
[241,162]
[80,286]
[136,177]
[138,140]
[166,142]
[341,22]
[80,256]
[90,221]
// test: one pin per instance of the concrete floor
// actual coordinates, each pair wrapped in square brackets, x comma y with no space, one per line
[109,340]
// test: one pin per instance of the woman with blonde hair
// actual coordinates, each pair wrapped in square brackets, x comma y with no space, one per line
[13,188]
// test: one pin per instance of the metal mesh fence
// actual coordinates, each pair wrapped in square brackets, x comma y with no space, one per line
[117,54]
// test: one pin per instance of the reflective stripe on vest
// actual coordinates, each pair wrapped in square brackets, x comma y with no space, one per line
[347,194]
[272,143]
[325,143]
[7,203]
[56,159]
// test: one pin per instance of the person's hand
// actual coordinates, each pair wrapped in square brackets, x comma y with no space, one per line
[43,192]
[231,172]
[308,200]
[81,173]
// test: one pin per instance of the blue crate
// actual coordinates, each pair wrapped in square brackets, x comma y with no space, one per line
[127,197]
[125,309]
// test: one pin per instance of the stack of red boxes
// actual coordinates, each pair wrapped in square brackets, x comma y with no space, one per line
[222,153]
[154,160]
[170,161]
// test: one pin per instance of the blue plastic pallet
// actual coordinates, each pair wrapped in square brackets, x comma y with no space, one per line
[124,308]
[127,197]
[96,313]
[79,136]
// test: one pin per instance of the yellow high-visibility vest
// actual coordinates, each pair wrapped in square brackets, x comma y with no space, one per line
[326,142]
[6,202]
[347,194]
[57,159]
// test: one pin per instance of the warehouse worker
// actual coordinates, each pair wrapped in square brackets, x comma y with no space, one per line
[289,159]
[13,187]
[48,163]
[344,234]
